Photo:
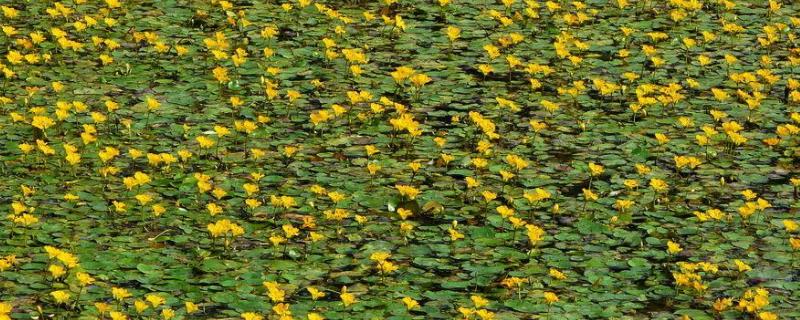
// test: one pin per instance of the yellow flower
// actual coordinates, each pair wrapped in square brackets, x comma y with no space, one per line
[167,314]
[537,126]
[399,23]
[661,138]
[722,303]
[289,151]
[410,303]
[505,211]
[550,297]
[658,185]
[60,296]
[741,266]
[106,59]
[25,148]
[380,256]
[535,233]
[5,309]
[346,297]
[513,282]
[516,161]
[537,195]
[479,301]
[453,33]
[84,278]
[221,131]
[589,195]
[56,270]
[790,225]
[479,163]
[119,294]
[356,70]
[73,158]
[315,236]
[485,69]
[749,194]
[623,204]
[485,314]
[315,293]
[472,182]
[42,122]
[407,191]
[140,306]
[116,315]
[314,316]
[404,213]
[205,142]
[14,57]
[400,74]
[155,300]
[454,234]
[9,12]
[774,7]
[488,195]
[275,293]
[557,274]
[405,228]
[795,243]
[419,80]
[221,74]
[373,168]
[551,107]
[292,95]
[250,188]
[673,248]
[251,316]
[26,220]
[290,231]
[446,158]
[152,103]
[282,310]
[595,169]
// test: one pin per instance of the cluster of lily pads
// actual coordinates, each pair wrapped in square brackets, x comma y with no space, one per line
[394,159]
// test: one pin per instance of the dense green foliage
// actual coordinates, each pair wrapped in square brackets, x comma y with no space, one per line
[182,159]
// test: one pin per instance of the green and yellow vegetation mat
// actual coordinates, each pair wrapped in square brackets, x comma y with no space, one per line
[394,159]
